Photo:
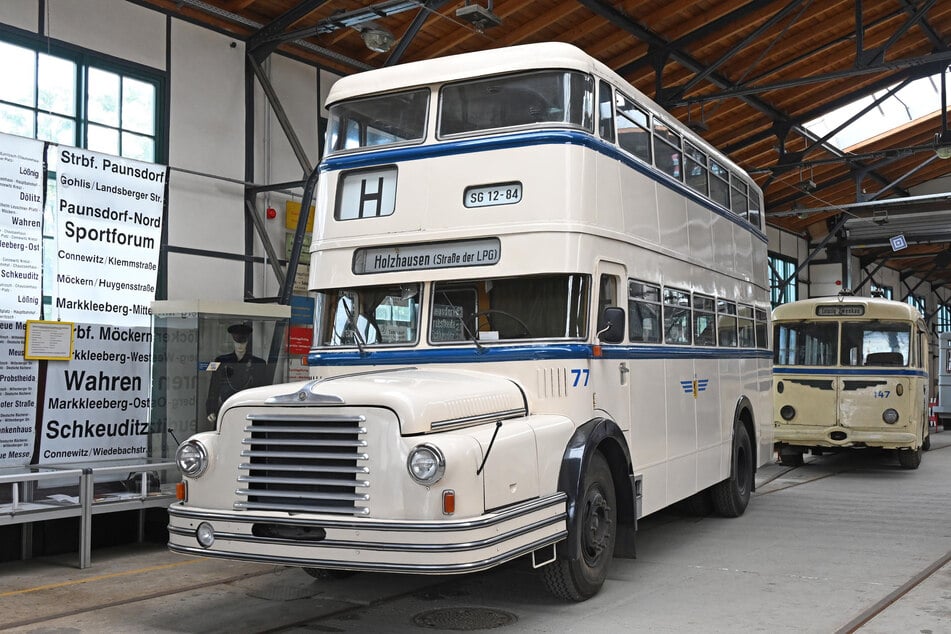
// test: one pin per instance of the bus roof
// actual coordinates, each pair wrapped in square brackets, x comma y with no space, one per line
[508,59]
[872,308]
[475,64]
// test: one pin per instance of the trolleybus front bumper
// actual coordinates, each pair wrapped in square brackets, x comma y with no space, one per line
[836,436]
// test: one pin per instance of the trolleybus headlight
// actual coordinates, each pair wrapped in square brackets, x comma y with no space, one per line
[205,534]
[426,464]
[890,416]
[788,412]
[192,458]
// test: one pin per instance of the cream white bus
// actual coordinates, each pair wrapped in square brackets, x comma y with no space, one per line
[850,372]
[542,314]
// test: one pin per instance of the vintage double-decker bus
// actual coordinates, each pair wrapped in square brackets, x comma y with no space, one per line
[541,314]
[850,372]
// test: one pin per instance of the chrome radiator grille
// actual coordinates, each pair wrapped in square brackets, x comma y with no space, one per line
[304,464]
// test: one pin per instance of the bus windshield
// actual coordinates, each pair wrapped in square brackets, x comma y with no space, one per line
[377,121]
[863,343]
[529,307]
[368,316]
[548,97]
[805,343]
[876,343]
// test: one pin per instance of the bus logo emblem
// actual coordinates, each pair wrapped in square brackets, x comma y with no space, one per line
[695,386]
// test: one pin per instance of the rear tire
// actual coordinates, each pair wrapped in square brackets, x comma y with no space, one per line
[909,458]
[731,496]
[595,527]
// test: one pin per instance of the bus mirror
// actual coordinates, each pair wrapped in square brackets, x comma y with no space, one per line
[611,328]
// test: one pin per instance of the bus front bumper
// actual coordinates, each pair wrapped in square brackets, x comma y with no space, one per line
[364,544]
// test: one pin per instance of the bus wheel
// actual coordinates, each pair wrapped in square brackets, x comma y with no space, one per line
[731,496]
[790,457]
[329,574]
[909,458]
[595,526]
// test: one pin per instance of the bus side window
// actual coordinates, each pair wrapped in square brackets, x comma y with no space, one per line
[643,304]
[677,316]
[633,133]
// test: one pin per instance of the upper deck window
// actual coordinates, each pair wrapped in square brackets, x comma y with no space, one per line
[633,127]
[545,97]
[377,121]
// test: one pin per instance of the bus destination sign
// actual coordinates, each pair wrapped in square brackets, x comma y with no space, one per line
[415,257]
[840,310]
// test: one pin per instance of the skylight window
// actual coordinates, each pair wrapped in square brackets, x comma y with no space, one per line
[918,99]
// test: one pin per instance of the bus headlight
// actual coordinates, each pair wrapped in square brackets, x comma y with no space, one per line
[426,464]
[890,416]
[192,458]
[788,412]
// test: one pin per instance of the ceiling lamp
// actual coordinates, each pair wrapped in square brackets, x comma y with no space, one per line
[377,39]
[942,145]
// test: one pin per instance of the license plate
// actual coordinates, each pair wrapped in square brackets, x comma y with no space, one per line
[490,195]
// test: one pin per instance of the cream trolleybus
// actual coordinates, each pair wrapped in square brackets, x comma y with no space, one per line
[541,314]
[850,372]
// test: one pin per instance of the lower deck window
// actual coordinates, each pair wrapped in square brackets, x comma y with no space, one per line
[531,307]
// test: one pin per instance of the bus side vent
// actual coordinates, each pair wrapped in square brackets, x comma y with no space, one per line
[304,464]
[552,382]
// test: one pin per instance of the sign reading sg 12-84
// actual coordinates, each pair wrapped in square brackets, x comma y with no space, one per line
[415,257]
[491,195]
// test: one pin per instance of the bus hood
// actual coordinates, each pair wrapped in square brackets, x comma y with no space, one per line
[424,400]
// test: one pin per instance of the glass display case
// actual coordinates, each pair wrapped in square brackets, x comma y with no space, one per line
[202,353]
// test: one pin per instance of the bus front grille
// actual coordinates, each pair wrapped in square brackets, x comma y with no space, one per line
[304,464]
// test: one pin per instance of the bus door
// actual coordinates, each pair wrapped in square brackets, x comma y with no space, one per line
[610,374]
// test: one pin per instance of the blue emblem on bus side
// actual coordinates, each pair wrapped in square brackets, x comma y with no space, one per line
[695,386]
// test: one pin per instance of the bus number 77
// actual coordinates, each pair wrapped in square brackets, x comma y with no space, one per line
[578,372]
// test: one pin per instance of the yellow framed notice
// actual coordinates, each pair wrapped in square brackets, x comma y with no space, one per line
[49,340]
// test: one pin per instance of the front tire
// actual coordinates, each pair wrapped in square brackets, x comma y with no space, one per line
[595,526]
[790,457]
[731,496]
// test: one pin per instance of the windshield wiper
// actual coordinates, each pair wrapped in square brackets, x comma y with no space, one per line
[357,337]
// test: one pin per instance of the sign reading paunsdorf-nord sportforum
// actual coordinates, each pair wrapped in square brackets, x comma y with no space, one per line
[108,214]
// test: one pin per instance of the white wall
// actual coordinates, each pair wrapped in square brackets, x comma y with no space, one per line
[207,221]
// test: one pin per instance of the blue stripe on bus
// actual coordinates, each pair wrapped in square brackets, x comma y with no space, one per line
[524,139]
[543,352]
[848,372]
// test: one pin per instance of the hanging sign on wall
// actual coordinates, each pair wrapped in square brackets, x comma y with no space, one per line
[21,265]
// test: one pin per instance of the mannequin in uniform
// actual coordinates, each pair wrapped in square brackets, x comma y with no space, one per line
[236,371]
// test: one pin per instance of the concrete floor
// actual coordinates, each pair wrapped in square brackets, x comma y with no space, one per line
[820,548]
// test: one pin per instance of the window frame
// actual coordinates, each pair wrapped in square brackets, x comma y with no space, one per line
[83,61]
